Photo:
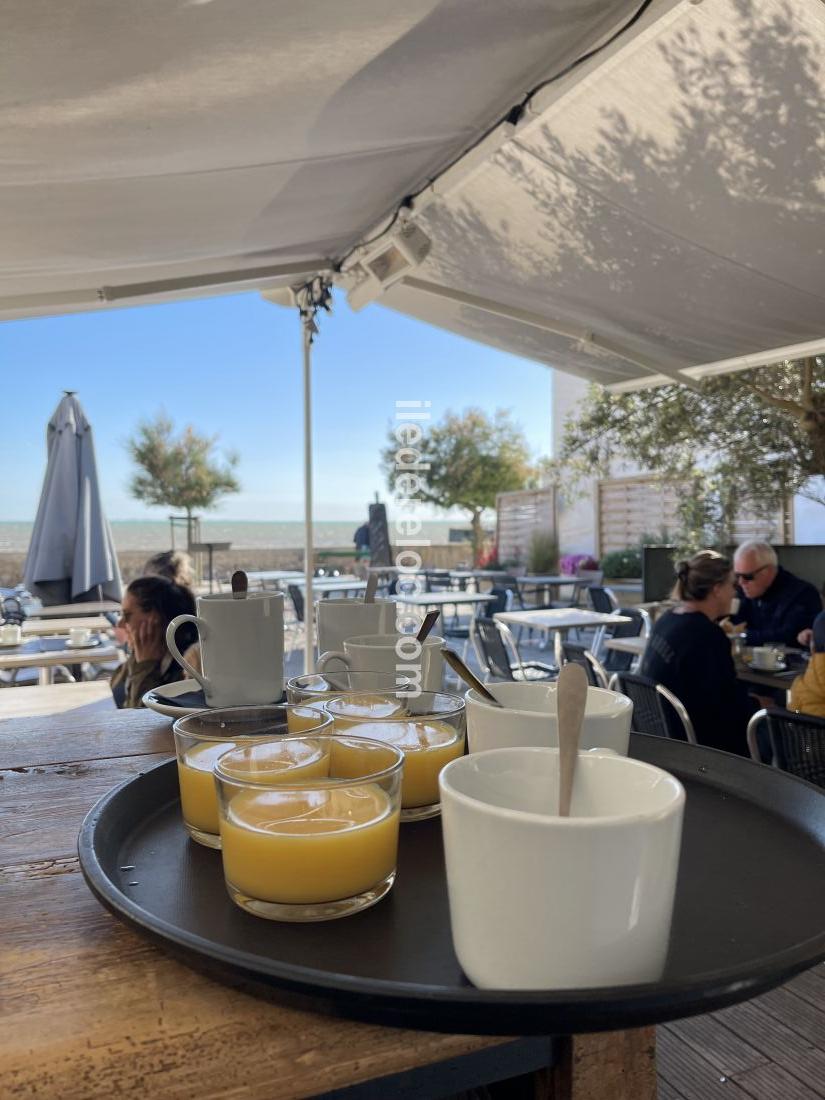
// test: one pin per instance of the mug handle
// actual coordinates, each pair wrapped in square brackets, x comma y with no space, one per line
[330,655]
[171,630]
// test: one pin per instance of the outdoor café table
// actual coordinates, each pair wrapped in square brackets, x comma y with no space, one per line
[559,618]
[324,585]
[33,627]
[72,610]
[44,653]
[92,1010]
[275,576]
[440,599]
[636,646]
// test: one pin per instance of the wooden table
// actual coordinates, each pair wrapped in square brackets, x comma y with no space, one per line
[32,654]
[28,702]
[33,627]
[72,610]
[92,1010]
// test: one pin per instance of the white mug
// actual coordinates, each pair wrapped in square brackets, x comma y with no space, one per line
[530,718]
[765,656]
[79,635]
[420,663]
[340,619]
[11,633]
[539,901]
[242,648]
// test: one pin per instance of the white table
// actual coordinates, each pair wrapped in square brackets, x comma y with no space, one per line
[33,627]
[332,584]
[561,618]
[35,654]
[636,646]
[439,599]
[72,610]
[275,576]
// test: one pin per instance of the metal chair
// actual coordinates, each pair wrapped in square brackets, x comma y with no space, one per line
[797,742]
[656,709]
[638,627]
[580,655]
[12,611]
[491,641]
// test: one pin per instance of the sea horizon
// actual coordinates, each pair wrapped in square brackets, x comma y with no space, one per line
[154,535]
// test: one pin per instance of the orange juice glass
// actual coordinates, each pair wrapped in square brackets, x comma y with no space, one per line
[298,845]
[202,738]
[428,728]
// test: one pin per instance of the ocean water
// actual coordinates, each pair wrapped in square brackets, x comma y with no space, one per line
[154,535]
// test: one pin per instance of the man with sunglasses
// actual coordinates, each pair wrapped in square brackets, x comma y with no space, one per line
[775,606]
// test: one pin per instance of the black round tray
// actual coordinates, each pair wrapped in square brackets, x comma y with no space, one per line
[748,915]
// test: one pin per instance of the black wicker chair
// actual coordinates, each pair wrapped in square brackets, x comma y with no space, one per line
[656,710]
[490,642]
[580,655]
[797,742]
[639,624]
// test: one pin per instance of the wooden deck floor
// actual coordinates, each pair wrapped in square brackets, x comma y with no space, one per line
[770,1048]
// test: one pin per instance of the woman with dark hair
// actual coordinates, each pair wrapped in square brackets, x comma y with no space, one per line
[149,605]
[690,654]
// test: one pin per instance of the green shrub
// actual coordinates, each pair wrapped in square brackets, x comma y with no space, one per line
[622,563]
[543,553]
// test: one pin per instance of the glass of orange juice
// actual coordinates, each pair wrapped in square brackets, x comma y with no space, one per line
[202,738]
[309,845]
[428,728]
[319,687]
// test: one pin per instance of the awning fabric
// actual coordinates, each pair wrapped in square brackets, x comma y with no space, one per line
[656,213]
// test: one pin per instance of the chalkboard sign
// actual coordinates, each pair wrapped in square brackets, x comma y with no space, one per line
[380,549]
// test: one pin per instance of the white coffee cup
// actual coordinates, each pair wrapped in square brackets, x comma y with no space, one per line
[530,718]
[11,633]
[539,901]
[242,648]
[79,635]
[765,656]
[340,619]
[420,663]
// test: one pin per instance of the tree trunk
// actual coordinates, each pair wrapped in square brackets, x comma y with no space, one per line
[477,536]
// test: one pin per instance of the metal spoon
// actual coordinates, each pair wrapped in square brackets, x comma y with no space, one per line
[427,625]
[240,583]
[572,698]
[372,585]
[469,677]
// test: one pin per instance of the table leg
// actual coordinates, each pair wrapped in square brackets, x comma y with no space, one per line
[608,1065]
[44,676]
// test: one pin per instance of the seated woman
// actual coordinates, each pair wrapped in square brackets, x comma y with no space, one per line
[149,605]
[808,690]
[691,655]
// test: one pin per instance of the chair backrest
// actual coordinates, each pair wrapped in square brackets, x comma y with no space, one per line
[437,580]
[508,581]
[581,655]
[602,599]
[638,625]
[798,743]
[492,652]
[12,611]
[656,710]
[503,601]
[297,597]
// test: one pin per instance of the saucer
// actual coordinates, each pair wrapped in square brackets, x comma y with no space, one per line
[180,698]
[92,642]
[780,666]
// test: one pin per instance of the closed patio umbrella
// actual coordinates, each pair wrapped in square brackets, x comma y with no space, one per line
[71,554]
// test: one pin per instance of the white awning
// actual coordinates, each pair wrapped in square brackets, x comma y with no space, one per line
[658,210]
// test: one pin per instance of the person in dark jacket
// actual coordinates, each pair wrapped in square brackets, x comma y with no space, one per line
[691,655]
[776,606]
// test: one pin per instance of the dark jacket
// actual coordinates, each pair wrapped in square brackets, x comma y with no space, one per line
[778,615]
[134,678]
[691,655]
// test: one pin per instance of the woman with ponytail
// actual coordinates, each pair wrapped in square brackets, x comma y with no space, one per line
[689,653]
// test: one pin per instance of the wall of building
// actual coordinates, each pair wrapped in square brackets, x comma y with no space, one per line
[576,517]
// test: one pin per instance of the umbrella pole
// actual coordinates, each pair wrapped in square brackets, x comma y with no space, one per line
[308,328]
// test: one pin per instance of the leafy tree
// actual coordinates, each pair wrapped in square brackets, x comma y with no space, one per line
[748,439]
[467,459]
[179,470]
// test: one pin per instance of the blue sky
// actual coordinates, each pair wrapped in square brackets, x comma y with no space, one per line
[232,366]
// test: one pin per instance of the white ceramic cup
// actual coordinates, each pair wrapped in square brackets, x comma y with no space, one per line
[421,664]
[79,635]
[242,648]
[340,619]
[539,901]
[11,633]
[765,656]
[530,718]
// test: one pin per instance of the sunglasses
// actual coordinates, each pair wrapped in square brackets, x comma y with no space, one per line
[749,576]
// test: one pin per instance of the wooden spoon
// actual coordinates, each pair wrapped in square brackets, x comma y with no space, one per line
[240,583]
[427,625]
[572,697]
[372,585]
[469,677]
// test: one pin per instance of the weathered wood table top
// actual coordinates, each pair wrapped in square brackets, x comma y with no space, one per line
[91,1009]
